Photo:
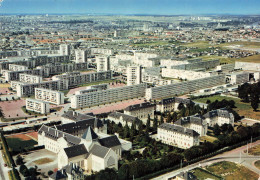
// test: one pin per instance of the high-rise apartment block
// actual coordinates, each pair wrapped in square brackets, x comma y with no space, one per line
[134,75]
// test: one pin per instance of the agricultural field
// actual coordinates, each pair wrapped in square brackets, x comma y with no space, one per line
[202,174]
[230,171]
[245,44]
[243,109]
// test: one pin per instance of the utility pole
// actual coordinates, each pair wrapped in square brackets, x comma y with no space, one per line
[251,142]
[247,148]
[181,163]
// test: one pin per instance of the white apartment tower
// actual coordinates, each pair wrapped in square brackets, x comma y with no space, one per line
[134,75]
[81,56]
[64,50]
[103,63]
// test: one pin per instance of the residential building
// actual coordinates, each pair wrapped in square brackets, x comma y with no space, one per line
[220,117]
[122,118]
[134,75]
[51,96]
[195,122]
[37,106]
[107,96]
[28,78]
[81,56]
[178,136]
[141,111]
[103,63]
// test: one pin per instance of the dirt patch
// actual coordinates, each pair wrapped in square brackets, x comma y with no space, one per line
[43,161]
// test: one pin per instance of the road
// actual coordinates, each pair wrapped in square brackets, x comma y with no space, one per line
[233,156]
[3,170]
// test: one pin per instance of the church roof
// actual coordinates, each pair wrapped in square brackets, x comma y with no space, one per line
[110,141]
[74,151]
[99,151]
[89,134]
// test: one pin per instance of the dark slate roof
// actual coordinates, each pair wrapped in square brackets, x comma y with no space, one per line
[77,150]
[167,101]
[217,113]
[183,101]
[89,134]
[79,125]
[54,134]
[75,116]
[195,119]
[179,129]
[125,117]
[110,141]
[99,151]
[187,176]
[139,106]
[58,175]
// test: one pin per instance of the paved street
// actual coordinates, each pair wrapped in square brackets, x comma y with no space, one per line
[233,155]
[3,170]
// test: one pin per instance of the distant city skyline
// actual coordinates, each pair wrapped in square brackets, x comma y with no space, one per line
[153,7]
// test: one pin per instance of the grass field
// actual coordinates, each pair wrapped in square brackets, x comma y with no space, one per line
[17,144]
[257,164]
[254,151]
[245,44]
[243,109]
[230,171]
[207,138]
[202,174]
[43,161]
[253,59]
[199,44]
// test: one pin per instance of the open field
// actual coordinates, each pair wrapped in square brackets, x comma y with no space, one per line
[253,59]
[17,144]
[13,109]
[243,109]
[43,161]
[245,44]
[207,138]
[202,174]
[5,85]
[257,164]
[199,44]
[254,150]
[230,171]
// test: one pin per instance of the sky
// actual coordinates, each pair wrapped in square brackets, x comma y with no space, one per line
[156,7]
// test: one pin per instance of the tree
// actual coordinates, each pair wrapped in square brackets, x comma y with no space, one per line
[162,120]
[148,124]
[180,106]
[24,170]
[174,117]
[216,129]
[123,172]
[169,118]
[19,160]
[50,172]
[155,124]
[254,101]
[126,131]
[106,174]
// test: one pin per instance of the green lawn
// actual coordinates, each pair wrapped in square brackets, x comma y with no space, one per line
[230,170]
[17,144]
[254,150]
[202,174]
[243,109]
[257,164]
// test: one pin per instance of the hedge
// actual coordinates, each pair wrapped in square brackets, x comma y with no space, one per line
[7,155]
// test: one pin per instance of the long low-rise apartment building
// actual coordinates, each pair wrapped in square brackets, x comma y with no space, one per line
[15,84]
[51,96]
[179,136]
[15,75]
[107,96]
[29,89]
[28,78]
[16,67]
[184,74]
[37,106]
[74,80]
[184,87]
